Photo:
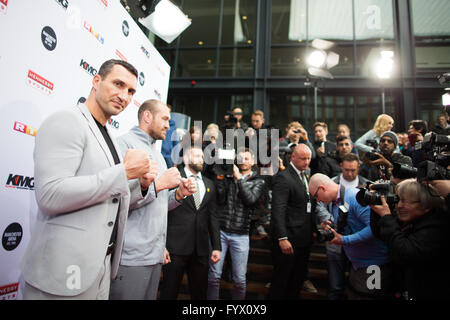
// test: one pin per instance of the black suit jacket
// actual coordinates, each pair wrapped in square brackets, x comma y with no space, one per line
[189,229]
[289,216]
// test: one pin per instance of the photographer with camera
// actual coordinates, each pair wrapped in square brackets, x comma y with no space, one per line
[236,197]
[380,164]
[417,239]
[352,231]
[295,134]
[330,164]
[336,258]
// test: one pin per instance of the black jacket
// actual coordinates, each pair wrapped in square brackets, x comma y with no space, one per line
[289,203]
[236,200]
[188,229]
[420,250]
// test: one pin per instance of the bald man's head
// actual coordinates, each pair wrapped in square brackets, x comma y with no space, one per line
[301,157]
[323,188]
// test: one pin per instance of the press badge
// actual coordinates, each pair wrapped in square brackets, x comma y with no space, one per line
[308,207]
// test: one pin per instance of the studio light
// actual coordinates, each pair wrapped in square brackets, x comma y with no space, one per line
[446,99]
[385,66]
[321,59]
[167,21]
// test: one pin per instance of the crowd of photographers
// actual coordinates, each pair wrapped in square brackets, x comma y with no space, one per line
[379,204]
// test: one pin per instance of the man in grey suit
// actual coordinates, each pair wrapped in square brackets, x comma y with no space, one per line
[83,191]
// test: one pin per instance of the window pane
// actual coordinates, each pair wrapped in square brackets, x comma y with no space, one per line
[196,63]
[288,61]
[374,19]
[205,23]
[287,108]
[430,18]
[330,19]
[288,24]
[238,22]
[199,108]
[227,103]
[433,57]
[236,62]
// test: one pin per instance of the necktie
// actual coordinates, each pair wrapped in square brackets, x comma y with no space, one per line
[304,181]
[196,195]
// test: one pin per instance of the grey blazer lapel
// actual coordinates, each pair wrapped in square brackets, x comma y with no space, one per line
[97,134]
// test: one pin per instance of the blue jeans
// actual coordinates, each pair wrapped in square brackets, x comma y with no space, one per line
[239,246]
[337,261]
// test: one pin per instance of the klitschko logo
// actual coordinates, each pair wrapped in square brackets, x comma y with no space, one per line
[9,292]
[3,5]
[16,181]
[39,83]
[88,68]
[25,129]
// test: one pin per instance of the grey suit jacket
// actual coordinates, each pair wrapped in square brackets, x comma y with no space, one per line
[79,191]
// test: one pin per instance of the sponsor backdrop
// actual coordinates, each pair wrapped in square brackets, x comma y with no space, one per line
[49,52]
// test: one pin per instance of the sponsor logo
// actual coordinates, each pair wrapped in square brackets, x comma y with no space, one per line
[88,68]
[16,181]
[12,236]
[157,94]
[81,100]
[147,54]
[9,292]
[3,5]
[63,3]
[141,79]
[120,55]
[125,28]
[18,126]
[39,83]
[92,31]
[115,124]
[48,37]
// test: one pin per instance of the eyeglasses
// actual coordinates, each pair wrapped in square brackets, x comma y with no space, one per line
[317,191]
[237,113]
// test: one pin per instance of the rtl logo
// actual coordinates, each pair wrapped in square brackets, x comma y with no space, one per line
[16,181]
[25,129]
[88,68]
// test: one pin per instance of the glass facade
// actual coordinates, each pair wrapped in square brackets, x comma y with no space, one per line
[253,54]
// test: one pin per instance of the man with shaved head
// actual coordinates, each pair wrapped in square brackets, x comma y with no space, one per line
[291,226]
[359,244]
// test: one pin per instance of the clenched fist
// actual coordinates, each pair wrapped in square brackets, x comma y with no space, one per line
[149,177]
[171,178]
[137,163]
[187,188]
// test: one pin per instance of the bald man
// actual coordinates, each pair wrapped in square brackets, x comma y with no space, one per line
[359,244]
[291,226]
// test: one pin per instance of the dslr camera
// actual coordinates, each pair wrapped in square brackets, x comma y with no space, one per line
[328,235]
[436,149]
[366,197]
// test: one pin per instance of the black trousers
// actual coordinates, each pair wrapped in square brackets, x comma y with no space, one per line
[196,268]
[289,273]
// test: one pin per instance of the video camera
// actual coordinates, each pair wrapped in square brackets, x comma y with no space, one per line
[436,149]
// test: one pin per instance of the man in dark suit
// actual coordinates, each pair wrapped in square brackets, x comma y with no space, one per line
[190,227]
[292,226]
